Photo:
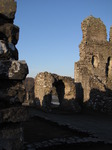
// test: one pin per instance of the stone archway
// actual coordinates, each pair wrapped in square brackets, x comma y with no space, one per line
[62,89]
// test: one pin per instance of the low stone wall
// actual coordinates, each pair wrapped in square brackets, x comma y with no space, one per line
[48,85]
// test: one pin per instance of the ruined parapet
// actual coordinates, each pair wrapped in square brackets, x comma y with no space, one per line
[93,30]
[12,74]
[49,85]
[93,70]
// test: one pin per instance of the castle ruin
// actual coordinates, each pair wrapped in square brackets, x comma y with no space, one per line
[94,69]
[92,86]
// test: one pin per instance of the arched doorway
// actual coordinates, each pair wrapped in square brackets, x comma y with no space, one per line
[55,99]
[58,92]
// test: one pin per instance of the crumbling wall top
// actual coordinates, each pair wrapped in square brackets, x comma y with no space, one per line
[93,30]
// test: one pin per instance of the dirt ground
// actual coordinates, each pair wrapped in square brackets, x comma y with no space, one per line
[39,129]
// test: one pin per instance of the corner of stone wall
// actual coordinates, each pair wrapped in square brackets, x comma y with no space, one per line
[110,39]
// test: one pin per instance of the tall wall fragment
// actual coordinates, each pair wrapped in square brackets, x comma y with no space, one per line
[12,74]
[94,69]
[12,71]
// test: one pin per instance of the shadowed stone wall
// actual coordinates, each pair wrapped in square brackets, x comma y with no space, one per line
[48,85]
[12,74]
[12,71]
[94,69]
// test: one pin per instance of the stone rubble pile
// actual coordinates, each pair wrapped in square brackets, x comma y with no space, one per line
[12,74]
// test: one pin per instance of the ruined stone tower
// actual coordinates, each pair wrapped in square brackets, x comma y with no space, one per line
[94,69]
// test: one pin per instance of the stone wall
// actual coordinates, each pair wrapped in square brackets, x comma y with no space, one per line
[12,75]
[12,71]
[49,85]
[110,34]
[29,88]
[94,69]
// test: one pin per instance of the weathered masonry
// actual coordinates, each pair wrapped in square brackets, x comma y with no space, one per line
[93,74]
[50,87]
[94,69]
[12,74]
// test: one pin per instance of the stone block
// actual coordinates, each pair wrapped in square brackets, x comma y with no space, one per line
[8,8]
[11,93]
[8,51]
[14,114]
[13,70]
[10,33]
[4,19]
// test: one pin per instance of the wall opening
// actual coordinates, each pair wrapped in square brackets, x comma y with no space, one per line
[55,99]
[58,92]
[95,61]
[109,67]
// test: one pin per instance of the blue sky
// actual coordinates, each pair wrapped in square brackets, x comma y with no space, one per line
[50,32]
